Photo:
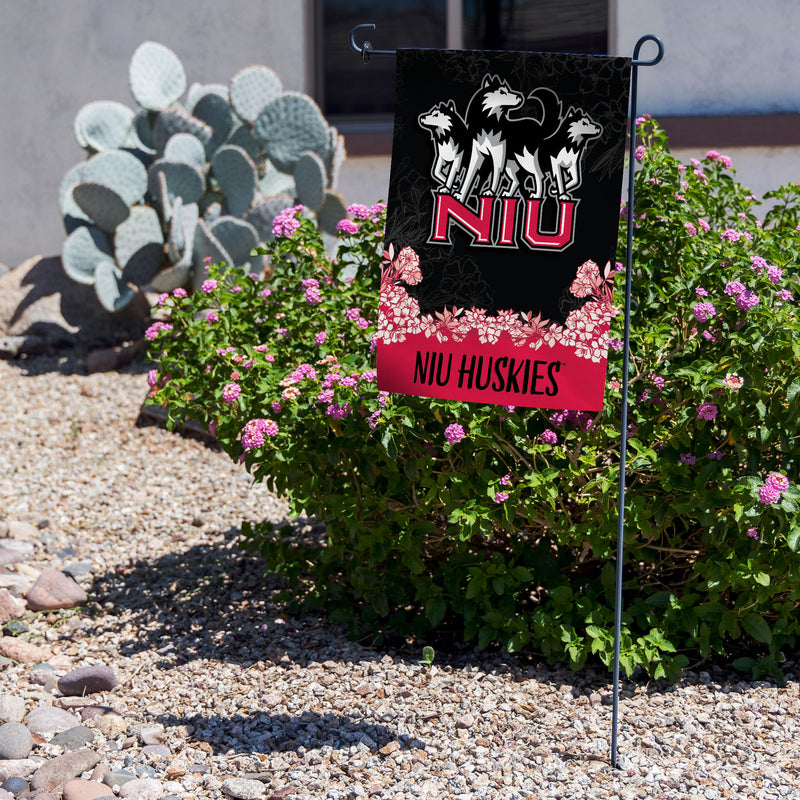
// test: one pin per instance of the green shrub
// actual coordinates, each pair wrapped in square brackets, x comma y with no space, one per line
[500,523]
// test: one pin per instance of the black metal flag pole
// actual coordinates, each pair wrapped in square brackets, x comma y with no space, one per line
[635,64]
[366,51]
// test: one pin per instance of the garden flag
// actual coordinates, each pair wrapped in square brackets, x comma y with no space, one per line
[501,234]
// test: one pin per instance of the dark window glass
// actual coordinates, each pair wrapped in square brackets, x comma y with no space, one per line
[571,26]
[351,91]
[351,88]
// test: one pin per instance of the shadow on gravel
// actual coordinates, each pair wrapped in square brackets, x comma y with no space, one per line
[277,733]
[63,359]
[211,601]
[214,601]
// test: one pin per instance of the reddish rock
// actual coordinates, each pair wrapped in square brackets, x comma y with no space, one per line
[10,607]
[78,789]
[22,651]
[54,589]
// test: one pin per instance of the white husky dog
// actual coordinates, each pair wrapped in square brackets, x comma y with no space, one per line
[485,122]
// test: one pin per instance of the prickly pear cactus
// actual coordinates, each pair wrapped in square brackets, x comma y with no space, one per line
[190,174]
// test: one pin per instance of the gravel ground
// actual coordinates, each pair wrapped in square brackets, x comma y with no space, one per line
[221,693]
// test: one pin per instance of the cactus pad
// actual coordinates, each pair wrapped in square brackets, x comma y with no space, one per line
[178,120]
[236,236]
[172,277]
[103,125]
[216,113]
[83,250]
[199,90]
[242,136]
[310,177]
[274,182]
[139,245]
[332,211]
[119,170]
[185,147]
[156,75]
[236,175]
[289,125]
[74,175]
[206,246]
[183,180]
[335,157]
[251,89]
[176,239]
[140,135]
[181,231]
[101,204]
[110,286]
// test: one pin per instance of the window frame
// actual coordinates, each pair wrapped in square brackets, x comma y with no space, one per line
[372,135]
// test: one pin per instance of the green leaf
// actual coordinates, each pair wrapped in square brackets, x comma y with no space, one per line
[756,626]
[435,609]
[793,537]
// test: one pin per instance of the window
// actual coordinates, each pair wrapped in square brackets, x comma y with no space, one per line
[359,98]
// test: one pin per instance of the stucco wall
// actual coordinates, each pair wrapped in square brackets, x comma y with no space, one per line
[721,56]
[57,55]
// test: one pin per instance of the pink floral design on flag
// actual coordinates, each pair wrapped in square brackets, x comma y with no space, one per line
[585,330]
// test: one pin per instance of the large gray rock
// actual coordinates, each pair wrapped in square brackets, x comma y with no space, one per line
[41,306]
[15,741]
[58,771]
[87,680]
[48,720]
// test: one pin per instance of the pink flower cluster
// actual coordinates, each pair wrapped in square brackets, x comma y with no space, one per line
[255,430]
[231,392]
[733,381]
[286,223]
[311,286]
[297,375]
[548,436]
[746,300]
[707,411]
[156,328]
[337,411]
[703,311]
[347,227]
[579,419]
[734,288]
[713,155]
[773,488]
[454,433]
[208,286]
[360,211]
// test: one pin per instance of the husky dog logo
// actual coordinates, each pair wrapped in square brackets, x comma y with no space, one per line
[559,156]
[485,118]
[488,158]
[451,141]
